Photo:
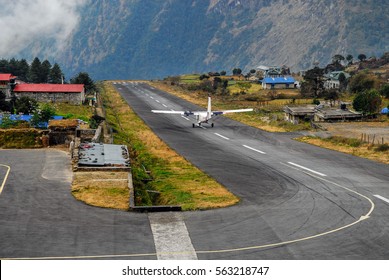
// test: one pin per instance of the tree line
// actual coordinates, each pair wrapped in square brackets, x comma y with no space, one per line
[37,72]
[43,72]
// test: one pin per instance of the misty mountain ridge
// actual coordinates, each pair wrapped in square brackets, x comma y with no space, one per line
[133,39]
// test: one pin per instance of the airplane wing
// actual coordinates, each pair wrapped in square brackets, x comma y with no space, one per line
[168,112]
[185,113]
[231,111]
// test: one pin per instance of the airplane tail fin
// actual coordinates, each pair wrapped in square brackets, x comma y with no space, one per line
[209,112]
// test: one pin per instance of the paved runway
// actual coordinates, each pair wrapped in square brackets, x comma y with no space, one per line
[290,191]
[39,218]
[297,201]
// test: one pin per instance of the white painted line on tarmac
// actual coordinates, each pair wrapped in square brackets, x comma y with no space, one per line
[151,97]
[171,237]
[164,105]
[305,168]
[255,150]
[185,118]
[382,198]
[5,176]
[157,101]
[217,134]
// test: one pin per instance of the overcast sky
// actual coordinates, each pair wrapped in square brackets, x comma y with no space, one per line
[25,21]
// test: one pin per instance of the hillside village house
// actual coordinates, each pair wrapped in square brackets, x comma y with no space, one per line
[278,82]
[296,114]
[273,78]
[332,79]
[6,80]
[68,93]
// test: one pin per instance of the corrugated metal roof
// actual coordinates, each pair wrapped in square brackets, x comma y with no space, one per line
[6,77]
[278,80]
[93,154]
[49,88]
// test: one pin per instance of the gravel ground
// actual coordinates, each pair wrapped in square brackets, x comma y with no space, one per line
[376,130]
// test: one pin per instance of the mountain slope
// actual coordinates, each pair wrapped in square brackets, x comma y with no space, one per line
[149,39]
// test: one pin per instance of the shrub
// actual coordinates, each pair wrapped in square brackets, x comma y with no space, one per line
[95,121]
[352,142]
[382,148]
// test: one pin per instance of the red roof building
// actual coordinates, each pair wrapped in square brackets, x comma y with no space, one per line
[69,93]
[50,88]
[6,77]
[5,83]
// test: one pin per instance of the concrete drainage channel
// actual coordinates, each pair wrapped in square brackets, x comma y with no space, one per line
[159,208]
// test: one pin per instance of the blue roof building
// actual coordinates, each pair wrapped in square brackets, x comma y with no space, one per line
[278,82]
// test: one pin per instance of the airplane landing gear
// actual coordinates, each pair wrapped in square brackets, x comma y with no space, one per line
[211,124]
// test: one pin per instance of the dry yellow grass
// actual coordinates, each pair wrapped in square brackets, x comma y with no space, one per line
[364,151]
[102,189]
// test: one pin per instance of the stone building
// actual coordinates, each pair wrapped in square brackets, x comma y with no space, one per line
[67,93]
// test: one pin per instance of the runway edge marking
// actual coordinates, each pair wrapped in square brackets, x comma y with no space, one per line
[5,177]
[362,218]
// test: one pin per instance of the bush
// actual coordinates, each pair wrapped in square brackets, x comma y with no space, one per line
[20,138]
[367,102]
[352,142]
[384,90]
[382,148]
[95,121]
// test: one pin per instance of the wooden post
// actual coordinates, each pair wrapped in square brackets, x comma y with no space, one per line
[373,139]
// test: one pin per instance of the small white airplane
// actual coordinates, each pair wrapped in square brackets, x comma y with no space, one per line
[202,116]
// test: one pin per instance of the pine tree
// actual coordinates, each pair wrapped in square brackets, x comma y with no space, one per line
[45,71]
[55,76]
[35,71]
[83,78]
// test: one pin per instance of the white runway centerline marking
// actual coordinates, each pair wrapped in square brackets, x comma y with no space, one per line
[157,101]
[382,198]
[164,105]
[217,134]
[185,118]
[305,168]
[255,150]
[171,237]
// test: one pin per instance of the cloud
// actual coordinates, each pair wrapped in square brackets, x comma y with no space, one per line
[23,22]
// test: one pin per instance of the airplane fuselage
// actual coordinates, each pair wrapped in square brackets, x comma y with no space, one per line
[202,117]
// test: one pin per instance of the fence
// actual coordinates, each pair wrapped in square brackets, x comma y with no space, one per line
[374,139]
